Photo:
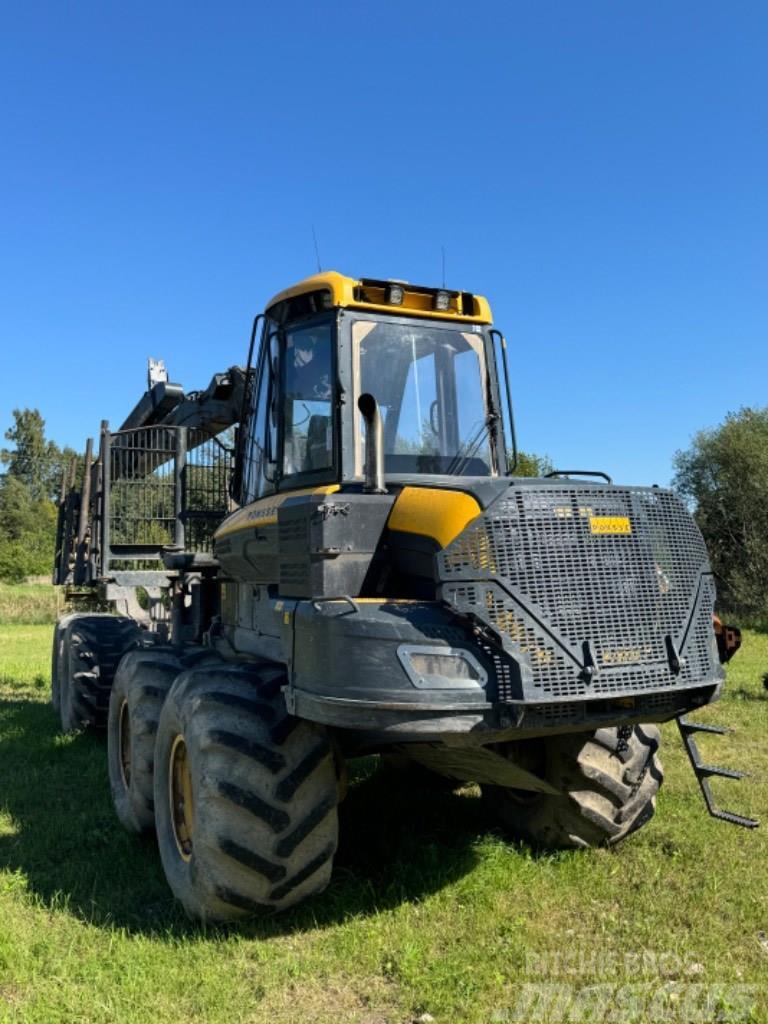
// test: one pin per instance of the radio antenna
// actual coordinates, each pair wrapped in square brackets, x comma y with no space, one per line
[442,253]
[317,250]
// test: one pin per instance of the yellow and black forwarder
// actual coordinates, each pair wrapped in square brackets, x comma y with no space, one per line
[328,554]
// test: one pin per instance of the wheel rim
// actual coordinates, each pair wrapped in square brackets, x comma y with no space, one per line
[181,800]
[124,744]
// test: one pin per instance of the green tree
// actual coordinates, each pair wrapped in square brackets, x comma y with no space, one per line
[724,475]
[34,469]
[16,512]
[27,531]
[36,461]
[529,464]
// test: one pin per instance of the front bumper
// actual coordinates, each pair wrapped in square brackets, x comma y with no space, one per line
[347,671]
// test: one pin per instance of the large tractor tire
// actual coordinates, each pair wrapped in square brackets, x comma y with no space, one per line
[142,682]
[87,652]
[245,795]
[608,782]
[58,664]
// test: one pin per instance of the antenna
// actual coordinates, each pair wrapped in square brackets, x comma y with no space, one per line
[317,250]
[442,253]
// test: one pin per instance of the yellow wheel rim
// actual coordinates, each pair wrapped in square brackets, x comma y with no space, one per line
[124,743]
[181,800]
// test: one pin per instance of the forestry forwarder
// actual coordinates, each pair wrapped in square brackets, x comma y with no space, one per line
[354,569]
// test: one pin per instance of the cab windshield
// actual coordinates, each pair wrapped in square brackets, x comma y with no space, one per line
[431,387]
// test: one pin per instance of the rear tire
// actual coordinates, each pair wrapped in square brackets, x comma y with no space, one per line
[141,685]
[90,650]
[609,781]
[245,795]
[58,664]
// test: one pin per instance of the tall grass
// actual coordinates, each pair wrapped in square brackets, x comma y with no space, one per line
[29,603]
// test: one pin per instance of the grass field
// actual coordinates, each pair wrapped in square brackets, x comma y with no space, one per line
[29,603]
[430,911]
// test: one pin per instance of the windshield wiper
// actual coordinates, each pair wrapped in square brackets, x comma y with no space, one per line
[459,461]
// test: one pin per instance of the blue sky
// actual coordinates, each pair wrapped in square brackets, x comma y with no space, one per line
[598,169]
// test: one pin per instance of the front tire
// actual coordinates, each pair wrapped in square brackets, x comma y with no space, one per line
[245,795]
[141,686]
[608,780]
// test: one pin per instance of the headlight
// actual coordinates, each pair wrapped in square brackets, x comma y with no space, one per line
[442,668]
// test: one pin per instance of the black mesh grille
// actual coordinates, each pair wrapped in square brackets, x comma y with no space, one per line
[652,705]
[553,569]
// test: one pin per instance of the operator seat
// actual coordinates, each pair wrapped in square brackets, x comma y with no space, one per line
[318,455]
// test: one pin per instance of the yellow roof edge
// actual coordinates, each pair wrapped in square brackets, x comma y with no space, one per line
[342,291]
[331,279]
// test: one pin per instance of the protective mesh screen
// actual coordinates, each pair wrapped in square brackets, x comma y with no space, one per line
[147,495]
[553,568]
[206,487]
[142,487]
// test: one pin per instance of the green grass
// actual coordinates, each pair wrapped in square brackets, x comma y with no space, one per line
[430,911]
[29,603]
[25,661]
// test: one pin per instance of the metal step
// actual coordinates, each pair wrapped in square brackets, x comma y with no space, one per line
[737,819]
[709,770]
[704,772]
[689,727]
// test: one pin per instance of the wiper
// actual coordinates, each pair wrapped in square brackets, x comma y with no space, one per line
[459,461]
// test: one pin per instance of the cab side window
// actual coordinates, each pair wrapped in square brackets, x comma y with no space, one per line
[261,446]
[308,400]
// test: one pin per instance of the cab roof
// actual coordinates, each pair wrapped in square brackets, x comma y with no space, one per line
[336,290]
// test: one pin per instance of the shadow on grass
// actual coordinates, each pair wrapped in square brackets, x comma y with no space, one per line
[741,693]
[399,842]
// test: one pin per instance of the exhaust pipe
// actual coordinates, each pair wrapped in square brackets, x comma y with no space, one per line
[374,444]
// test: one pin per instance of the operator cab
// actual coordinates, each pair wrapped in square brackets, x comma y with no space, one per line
[429,358]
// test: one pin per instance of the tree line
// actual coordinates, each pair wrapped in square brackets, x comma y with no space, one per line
[29,488]
[723,476]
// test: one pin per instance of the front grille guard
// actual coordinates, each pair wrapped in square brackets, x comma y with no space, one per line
[569,614]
